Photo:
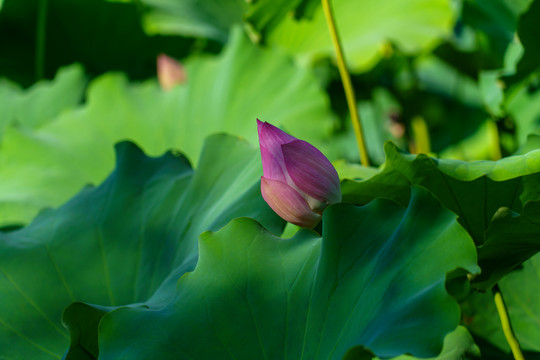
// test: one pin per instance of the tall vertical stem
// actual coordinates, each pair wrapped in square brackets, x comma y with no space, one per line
[494,139]
[347,85]
[41,28]
[505,322]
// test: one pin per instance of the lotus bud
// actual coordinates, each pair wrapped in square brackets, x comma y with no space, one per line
[170,72]
[298,181]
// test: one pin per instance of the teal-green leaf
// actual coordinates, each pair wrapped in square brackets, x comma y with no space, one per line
[375,277]
[118,243]
[84,343]
[47,166]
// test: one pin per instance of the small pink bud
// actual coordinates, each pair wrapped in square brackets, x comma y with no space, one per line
[170,72]
[298,181]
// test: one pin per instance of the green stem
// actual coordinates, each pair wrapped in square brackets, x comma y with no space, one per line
[506,325]
[422,144]
[347,85]
[495,147]
[41,26]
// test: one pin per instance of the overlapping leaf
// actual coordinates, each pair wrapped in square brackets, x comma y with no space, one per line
[475,191]
[459,344]
[117,243]
[510,240]
[520,290]
[45,167]
[376,276]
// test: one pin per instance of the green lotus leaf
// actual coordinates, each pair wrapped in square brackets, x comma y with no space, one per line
[520,291]
[118,243]
[42,102]
[510,240]
[211,19]
[265,15]
[473,190]
[476,192]
[375,277]
[458,344]
[365,27]
[498,22]
[528,33]
[46,166]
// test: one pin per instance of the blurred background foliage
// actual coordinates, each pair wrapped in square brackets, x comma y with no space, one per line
[455,78]
[467,70]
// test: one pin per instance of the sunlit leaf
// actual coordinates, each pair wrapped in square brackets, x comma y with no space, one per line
[222,94]
[365,28]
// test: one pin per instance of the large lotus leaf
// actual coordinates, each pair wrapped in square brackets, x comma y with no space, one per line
[43,102]
[520,291]
[99,34]
[222,94]
[365,26]
[117,243]
[375,277]
[214,19]
[473,190]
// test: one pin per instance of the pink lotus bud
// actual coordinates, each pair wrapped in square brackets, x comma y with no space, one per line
[170,72]
[299,182]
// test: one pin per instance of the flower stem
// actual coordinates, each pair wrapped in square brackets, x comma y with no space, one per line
[505,322]
[346,79]
[494,139]
[422,144]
